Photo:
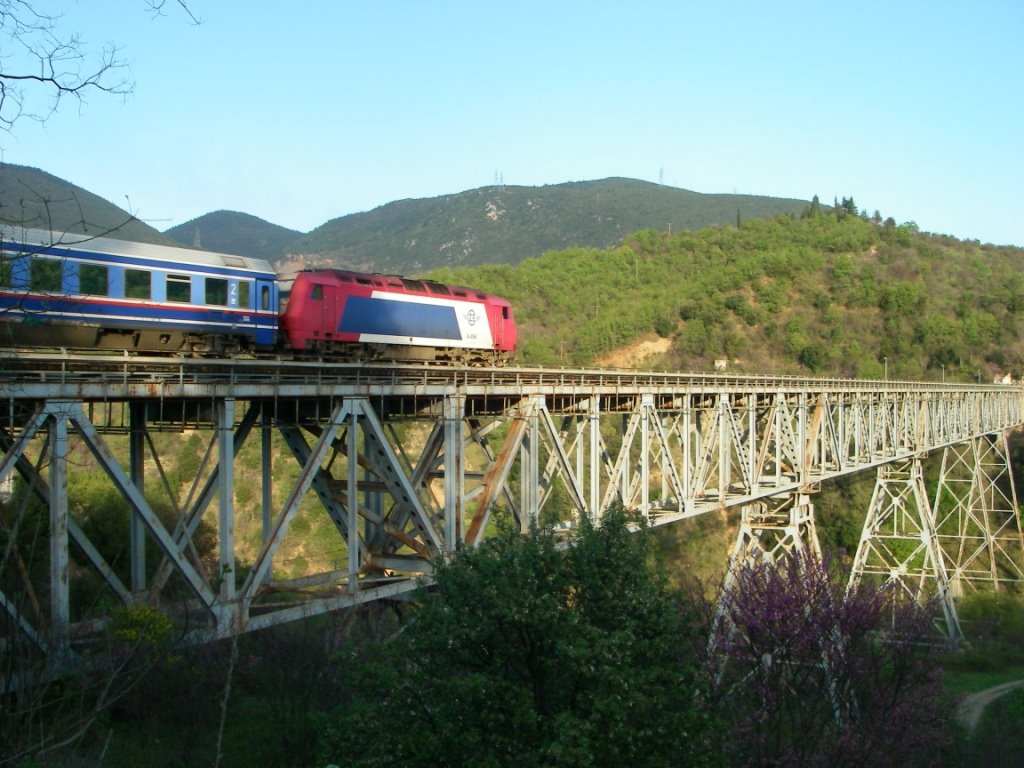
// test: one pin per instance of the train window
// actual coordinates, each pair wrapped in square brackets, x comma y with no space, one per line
[265,297]
[316,292]
[481,295]
[138,284]
[44,275]
[438,288]
[364,281]
[345,278]
[504,313]
[6,273]
[179,288]
[217,291]
[243,294]
[92,280]
[459,293]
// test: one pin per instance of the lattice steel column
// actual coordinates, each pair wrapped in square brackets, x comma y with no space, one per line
[978,523]
[899,546]
[137,468]
[455,471]
[225,414]
[266,470]
[529,465]
[768,531]
[595,458]
[60,601]
[352,500]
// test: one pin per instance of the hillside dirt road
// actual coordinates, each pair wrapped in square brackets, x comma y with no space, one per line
[972,707]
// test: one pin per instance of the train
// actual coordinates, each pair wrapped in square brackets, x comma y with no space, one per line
[70,291]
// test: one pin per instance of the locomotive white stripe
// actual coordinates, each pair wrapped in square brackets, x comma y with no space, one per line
[471,315]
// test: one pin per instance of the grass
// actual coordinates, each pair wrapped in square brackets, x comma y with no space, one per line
[964,681]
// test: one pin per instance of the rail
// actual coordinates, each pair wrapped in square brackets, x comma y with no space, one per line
[83,374]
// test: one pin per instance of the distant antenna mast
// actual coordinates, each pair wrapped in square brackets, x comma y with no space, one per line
[661,175]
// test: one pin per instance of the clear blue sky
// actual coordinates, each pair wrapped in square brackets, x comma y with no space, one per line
[304,111]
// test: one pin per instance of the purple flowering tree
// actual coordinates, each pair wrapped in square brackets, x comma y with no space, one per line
[810,675]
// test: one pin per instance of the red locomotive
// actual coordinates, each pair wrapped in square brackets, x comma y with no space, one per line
[390,317]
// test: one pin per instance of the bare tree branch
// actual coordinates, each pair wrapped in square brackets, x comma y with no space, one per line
[157,8]
[41,66]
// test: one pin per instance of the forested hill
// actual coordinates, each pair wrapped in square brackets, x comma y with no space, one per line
[504,224]
[233,232]
[35,199]
[828,294]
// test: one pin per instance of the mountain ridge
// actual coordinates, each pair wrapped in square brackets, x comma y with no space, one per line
[505,224]
[235,232]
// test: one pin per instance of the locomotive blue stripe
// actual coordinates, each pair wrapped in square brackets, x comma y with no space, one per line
[383,317]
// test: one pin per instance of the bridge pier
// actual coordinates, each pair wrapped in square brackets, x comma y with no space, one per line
[899,545]
[968,537]
[775,527]
[770,529]
[977,518]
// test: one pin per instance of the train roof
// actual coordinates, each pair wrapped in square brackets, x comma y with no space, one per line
[415,284]
[41,238]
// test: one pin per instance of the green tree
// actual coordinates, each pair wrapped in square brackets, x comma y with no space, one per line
[796,338]
[664,325]
[694,338]
[813,210]
[813,356]
[527,655]
[939,338]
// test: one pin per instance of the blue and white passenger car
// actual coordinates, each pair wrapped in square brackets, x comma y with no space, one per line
[82,292]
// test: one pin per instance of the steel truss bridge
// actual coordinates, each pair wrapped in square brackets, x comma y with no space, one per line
[408,463]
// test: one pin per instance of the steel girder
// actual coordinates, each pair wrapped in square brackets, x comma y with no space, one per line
[406,478]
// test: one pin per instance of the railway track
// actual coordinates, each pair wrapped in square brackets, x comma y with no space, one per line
[83,368]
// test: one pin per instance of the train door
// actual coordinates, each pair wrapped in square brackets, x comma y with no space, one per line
[265,296]
[320,312]
[265,303]
[497,326]
[504,328]
[329,311]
